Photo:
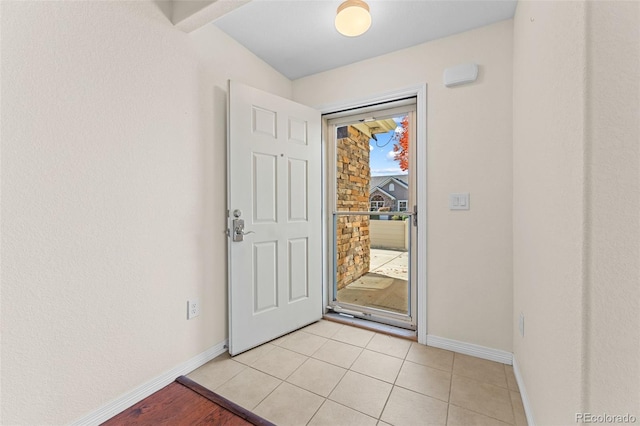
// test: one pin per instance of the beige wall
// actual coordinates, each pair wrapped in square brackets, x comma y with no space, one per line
[548,187]
[469,149]
[612,380]
[113,199]
[113,196]
[575,214]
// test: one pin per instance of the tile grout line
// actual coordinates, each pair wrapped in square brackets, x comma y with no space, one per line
[362,374]
[513,410]
[453,362]
[420,393]
[337,383]
[316,412]
[351,408]
[366,375]
[479,381]
[326,398]
[271,375]
[383,353]
[315,393]
[331,363]
[282,381]
[482,414]
[308,357]
[273,390]
[244,367]
[393,385]
[405,361]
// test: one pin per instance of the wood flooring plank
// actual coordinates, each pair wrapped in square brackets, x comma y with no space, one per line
[224,402]
[177,404]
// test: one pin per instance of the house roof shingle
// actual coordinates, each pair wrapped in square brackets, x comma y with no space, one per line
[378,180]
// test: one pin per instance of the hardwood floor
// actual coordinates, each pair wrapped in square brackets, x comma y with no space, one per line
[184,402]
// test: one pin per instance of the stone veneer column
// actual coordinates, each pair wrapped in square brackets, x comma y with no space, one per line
[353,177]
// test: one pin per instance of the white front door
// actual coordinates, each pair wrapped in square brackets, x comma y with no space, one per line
[274,186]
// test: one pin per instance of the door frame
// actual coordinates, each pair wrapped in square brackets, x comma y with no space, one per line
[420,93]
[388,110]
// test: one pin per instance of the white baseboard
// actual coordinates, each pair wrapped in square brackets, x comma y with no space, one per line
[528,411]
[136,395]
[478,351]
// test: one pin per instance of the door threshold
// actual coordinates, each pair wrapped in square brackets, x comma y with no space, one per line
[373,326]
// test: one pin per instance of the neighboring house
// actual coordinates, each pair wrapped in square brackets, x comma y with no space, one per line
[389,191]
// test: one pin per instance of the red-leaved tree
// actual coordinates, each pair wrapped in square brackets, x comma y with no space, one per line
[402,147]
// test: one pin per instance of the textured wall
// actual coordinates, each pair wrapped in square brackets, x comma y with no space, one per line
[548,206]
[577,206]
[469,148]
[612,382]
[113,199]
[352,190]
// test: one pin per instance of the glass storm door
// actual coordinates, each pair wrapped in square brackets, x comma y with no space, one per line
[372,197]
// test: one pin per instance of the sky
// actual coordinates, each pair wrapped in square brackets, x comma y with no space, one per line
[381,156]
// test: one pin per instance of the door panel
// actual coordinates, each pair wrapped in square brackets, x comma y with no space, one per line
[298,201]
[265,276]
[265,190]
[274,185]
[298,271]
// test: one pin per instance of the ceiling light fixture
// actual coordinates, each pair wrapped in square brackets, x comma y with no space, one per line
[353,18]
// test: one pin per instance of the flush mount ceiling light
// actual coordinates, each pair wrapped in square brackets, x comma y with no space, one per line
[353,18]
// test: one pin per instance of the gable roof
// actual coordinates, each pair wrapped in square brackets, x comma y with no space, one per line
[376,189]
[377,181]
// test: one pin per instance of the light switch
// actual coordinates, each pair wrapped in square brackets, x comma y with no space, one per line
[459,201]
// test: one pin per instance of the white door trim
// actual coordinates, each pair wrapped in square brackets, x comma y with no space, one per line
[420,92]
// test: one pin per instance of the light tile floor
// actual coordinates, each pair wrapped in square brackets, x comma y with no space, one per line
[334,374]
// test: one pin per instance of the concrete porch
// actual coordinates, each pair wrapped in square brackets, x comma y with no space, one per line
[385,286]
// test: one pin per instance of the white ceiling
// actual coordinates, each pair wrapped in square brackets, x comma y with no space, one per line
[298,38]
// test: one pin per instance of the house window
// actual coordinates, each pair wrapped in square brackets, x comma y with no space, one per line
[375,203]
[402,205]
[392,187]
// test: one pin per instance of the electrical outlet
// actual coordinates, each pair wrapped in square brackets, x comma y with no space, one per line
[521,324]
[193,308]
